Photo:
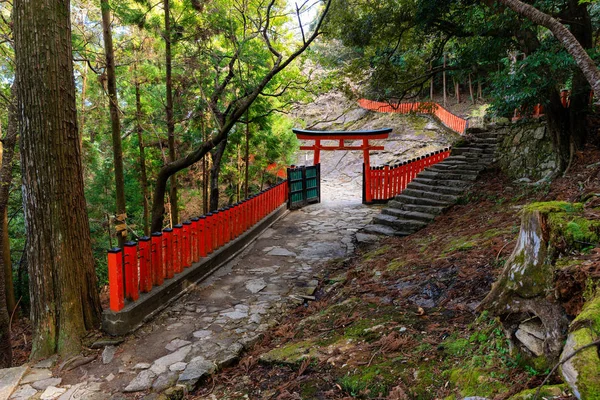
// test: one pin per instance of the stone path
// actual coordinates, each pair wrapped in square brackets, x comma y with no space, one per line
[436,188]
[209,326]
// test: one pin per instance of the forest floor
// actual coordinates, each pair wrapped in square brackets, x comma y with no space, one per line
[398,318]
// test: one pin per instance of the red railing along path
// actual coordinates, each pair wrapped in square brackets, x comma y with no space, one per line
[454,122]
[389,181]
[143,265]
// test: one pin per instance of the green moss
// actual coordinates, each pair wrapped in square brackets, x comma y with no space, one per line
[291,354]
[554,207]
[373,381]
[396,264]
[377,252]
[457,347]
[476,382]
[546,392]
[589,315]
[587,364]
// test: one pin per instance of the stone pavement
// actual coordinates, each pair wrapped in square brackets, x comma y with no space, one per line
[209,326]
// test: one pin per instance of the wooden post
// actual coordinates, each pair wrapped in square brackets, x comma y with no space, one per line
[317,154]
[471,90]
[367,170]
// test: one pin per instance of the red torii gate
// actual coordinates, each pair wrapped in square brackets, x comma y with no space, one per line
[342,136]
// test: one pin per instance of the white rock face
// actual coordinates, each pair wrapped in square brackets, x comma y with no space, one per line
[52,393]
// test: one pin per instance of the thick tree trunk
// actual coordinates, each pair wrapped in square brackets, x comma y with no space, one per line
[115,121]
[558,127]
[564,36]
[143,173]
[169,111]
[63,287]
[214,175]
[7,295]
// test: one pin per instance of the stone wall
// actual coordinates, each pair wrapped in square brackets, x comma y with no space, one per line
[525,152]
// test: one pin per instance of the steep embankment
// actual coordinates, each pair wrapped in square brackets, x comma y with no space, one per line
[398,319]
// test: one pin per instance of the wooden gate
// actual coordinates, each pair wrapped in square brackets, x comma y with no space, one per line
[304,186]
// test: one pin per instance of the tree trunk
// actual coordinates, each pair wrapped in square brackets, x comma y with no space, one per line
[143,173]
[169,111]
[62,279]
[563,35]
[214,175]
[444,80]
[431,83]
[471,90]
[115,121]
[7,295]
[247,161]
[84,78]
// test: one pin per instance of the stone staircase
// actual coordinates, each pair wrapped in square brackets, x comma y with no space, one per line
[436,188]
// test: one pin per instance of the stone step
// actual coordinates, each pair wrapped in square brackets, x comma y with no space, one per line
[421,201]
[413,215]
[462,165]
[484,135]
[442,182]
[457,151]
[383,230]
[400,224]
[457,191]
[430,195]
[456,170]
[397,205]
[447,175]
[487,140]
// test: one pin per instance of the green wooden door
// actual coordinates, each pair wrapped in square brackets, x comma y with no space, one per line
[304,184]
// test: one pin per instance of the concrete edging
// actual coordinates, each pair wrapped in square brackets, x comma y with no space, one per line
[150,304]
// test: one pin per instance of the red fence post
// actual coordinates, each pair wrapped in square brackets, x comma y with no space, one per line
[209,232]
[168,252]
[177,256]
[131,271]
[195,242]
[158,267]
[115,279]
[201,232]
[216,225]
[187,244]
[145,266]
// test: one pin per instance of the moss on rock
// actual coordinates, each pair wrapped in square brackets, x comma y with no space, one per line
[546,392]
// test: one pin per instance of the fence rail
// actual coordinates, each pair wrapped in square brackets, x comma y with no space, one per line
[390,181]
[454,122]
[148,263]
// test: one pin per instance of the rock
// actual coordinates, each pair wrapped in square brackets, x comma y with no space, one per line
[36,375]
[165,381]
[202,334]
[280,251]
[546,392]
[180,366]
[52,393]
[195,370]
[44,383]
[47,363]
[256,285]
[9,380]
[176,344]
[532,335]
[142,366]
[236,314]
[110,377]
[80,392]
[108,354]
[107,342]
[366,238]
[23,393]
[162,364]
[142,381]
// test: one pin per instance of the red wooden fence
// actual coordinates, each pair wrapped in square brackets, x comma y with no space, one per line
[389,181]
[145,264]
[456,123]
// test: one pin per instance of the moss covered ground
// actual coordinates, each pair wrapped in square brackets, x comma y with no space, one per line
[398,320]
